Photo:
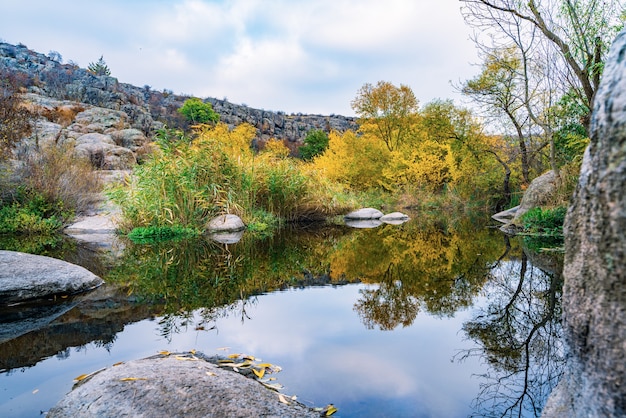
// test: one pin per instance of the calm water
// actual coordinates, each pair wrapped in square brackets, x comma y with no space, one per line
[420,320]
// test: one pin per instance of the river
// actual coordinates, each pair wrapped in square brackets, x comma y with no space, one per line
[424,319]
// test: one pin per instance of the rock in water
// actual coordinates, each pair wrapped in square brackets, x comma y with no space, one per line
[174,386]
[27,276]
[594,294]
[226,223]
[365,213]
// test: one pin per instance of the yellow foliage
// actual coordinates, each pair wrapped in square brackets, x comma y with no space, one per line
[235,143]
[357,161]
[276,148]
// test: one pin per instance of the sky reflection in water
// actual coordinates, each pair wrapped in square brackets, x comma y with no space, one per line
[390,346]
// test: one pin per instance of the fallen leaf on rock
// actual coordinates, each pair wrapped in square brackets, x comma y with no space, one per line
[211,374]
[132,379]
[164,353]
[81,377]
[234,355]
[118,363]
[282,398]
[259,373]
[329,410]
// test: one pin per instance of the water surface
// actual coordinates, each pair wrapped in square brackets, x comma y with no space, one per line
[420,320]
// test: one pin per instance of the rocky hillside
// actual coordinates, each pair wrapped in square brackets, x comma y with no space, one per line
[53,84]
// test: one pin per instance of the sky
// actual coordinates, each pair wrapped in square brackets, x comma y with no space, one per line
[296,56]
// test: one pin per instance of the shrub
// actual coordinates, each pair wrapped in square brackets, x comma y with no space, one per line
[151,234]
[196,111]
[547,222]
[315,144]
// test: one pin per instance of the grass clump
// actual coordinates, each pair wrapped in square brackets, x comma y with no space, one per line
[544,222]
[190,180]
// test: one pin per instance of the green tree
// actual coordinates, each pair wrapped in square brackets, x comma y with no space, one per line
[315,144]
[99,67]
[197,111]
[386,111]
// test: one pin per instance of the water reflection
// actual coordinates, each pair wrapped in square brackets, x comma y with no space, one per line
[418,270]
[519,335]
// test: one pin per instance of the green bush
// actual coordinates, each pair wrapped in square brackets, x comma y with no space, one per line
[546,222]
[196,111]
[315,144]
[32,216]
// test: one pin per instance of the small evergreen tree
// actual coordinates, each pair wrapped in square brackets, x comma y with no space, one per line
[315,143]
[99,68]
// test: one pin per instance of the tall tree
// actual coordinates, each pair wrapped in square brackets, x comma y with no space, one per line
[387,111]
[579,31]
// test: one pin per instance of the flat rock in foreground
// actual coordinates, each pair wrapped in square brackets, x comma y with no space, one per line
[27,276]
[174,386]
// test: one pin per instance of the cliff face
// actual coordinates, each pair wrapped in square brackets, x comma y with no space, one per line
[594,294]
[146,109]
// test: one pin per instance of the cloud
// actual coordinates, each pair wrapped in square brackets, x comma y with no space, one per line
[296,56]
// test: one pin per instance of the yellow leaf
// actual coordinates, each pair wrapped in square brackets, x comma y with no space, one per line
[329,410]
[164,353]
[228,361]
[118,363]
[132,379]
[283,399]
[81,377]
[259,373]
[211,374]
[264,365]
[251,358]
[234,355]
[181,358]
[192,351]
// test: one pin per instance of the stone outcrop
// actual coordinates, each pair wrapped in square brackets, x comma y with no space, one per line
[226,223]
[26,276]
[141,108]
[594,295]
[183,385]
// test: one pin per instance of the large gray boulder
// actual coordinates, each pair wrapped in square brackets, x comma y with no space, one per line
[27,276]
[594,294]
[174,386]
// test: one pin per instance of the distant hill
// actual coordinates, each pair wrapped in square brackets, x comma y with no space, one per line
[147,109]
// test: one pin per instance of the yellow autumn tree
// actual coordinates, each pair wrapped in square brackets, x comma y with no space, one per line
[355,160]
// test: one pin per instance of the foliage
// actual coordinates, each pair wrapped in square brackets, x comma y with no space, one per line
[30,213]
[387,112]
[197,111]
[14,118]
[99,67]
[188,181]
[547,222]
[315,143]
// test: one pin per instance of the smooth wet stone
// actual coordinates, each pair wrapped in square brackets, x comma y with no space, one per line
[27,276]
[364,213]
[225,223]
[395,218]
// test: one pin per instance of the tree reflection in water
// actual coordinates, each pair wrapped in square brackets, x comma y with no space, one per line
[417,267]
[519,336]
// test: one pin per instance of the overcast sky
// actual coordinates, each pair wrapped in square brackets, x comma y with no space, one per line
[308,56]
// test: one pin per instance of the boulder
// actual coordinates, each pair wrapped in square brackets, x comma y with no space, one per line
[365,213]
[26,276]
[181,385]
[226,223]
[538,193]
[132,139]
[594,272]
[394,218]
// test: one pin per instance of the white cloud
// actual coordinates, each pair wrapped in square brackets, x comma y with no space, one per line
[296,56]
